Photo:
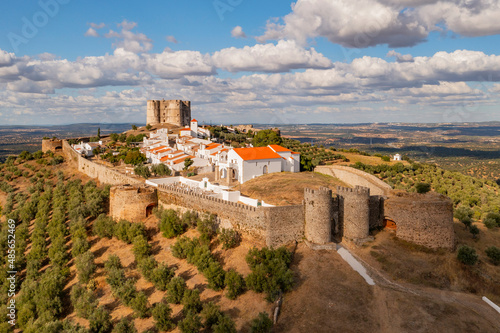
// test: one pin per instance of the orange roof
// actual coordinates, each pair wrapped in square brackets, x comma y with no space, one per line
[158,148]
[194,120]
[277,148]
[163,159]
[212,145]
[256,153]
[294,152]
[186,129]
[180,160]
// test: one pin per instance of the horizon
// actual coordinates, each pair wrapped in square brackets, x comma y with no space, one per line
[289,62]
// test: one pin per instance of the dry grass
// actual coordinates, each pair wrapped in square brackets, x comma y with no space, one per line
[370,160]
[407,262]
[286,188]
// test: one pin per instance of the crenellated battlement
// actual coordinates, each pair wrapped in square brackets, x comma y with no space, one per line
[358,190]
[176,112]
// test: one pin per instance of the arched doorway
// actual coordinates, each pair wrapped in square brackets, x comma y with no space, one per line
[264,170]
[223,174]
[149,209]
[389,224]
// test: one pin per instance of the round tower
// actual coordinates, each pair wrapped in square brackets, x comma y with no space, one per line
[153,112]
[132,202]
[318,212]
[355,210]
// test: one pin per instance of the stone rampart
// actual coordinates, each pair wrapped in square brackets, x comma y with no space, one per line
[353,177]
[424,219]
[53,145]
[94,170]
[275,225]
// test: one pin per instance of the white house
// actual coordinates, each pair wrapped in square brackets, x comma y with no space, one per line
[397,157]
[86,148]
[195,131]
[257,161]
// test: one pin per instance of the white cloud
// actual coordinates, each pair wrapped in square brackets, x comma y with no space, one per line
[92,33]
[97,25]
[6,58]
[238,32]
[171,39]
[282,57]
[128,40]
[170,65]
[364,23]
[400,57]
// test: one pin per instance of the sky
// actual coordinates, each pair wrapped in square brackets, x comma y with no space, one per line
[250,61]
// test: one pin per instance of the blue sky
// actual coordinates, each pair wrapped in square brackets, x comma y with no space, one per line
[240,61]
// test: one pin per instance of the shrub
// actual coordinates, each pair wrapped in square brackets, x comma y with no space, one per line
[170,224]
[85,266]
[161,277]
[474,230]
[422,187]
[210,314]
[235,284]
[127,293]
[230,238]
[162,314]
[190,324]
[215,276]
[207,226]
[224,325]
[490,223]
[83,301]
[80,246]
[184,247]
[270,272]
[467,255]
[261,324]
[493,253]
[113,262]
[125,325]
[467,221]
[103,226]
[140,305]
[175,290]
[100,321]
[191,301]
[463,212]
[146,266]
[190,218]
[494,217]
[141,247]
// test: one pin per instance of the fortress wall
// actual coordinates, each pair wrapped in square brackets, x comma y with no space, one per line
[94,170]
[422,219]
[285,224]
[276,225]
[52,145]
[352,176]
[247,219]
[376,211]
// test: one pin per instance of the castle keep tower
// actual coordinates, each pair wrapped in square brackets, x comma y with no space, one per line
[318,211]
[174,112]
[355,212]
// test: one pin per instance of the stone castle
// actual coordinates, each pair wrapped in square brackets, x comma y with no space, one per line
[174,112]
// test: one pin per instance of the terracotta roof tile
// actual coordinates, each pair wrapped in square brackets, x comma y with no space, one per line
[278,148]
[256,153]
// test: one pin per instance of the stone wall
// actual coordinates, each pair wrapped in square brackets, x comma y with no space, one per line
[285,224]
[276,225]
[318,212]
[424,219]
[355,177]
[132,203]
[97,171]
[53,145]
[175,112]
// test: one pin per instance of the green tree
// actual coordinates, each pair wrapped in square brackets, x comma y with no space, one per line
[134,127]
[474,230]
[125,325]
[100,321]
[162,314]
[191,301]
[187,163]
[493,253]
[191,323]
[467,255]
[235,284]
[148,127]
[422,187]
[85,266]
[261,324]
[140,305]
[266,137]
[175,290]
[99,133]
